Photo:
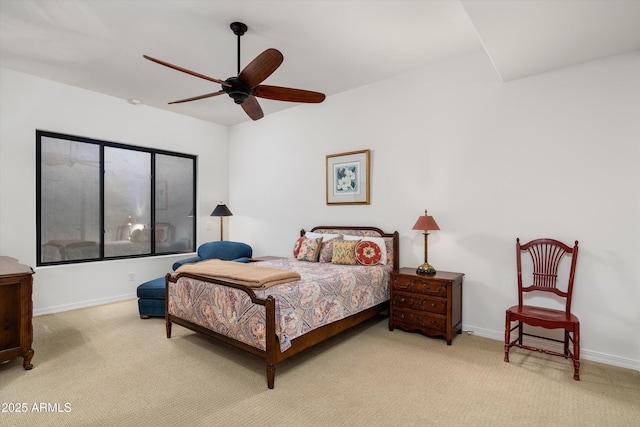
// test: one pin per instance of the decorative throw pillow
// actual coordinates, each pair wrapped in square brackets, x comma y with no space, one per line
[368,253]
[326,250]
[136,235]
[141,236]
[344,252]
[296,246]
[309,249]
[161,235]
[379,240]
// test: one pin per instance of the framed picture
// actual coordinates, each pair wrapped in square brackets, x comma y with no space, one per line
[348,178]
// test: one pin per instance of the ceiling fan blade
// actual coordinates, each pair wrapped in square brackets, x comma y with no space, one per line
[252,108]
[261,67]
[195,98]
[279,93]
[184,70]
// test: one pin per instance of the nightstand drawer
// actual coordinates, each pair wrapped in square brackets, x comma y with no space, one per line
[430,304]
[419,302]
[418,285]
[420,319]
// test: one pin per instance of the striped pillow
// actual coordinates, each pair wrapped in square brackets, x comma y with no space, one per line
[326,250]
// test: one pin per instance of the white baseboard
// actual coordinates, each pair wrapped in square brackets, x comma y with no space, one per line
[82,304]
[585,354]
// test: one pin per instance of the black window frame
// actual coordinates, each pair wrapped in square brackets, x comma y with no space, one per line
[101,170]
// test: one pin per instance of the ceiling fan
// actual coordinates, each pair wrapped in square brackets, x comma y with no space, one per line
[246,87]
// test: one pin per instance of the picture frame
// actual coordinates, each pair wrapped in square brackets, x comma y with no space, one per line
[347,176]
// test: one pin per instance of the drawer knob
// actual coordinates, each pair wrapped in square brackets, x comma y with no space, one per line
[403,299]
[433,322]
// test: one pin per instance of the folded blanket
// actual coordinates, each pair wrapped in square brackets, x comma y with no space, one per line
[251,275]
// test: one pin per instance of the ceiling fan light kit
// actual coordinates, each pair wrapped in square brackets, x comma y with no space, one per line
[246,87]
[238,90]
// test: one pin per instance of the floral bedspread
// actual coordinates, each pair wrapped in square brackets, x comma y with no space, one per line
[326,293]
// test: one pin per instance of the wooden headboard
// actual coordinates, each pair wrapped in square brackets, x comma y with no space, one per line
[365,231]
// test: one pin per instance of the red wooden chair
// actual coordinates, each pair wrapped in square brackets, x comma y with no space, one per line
[546,256]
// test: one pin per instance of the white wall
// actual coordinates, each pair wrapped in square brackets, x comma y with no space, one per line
[28,103]
[554,155]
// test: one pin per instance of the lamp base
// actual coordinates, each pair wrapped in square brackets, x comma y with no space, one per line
[425,269]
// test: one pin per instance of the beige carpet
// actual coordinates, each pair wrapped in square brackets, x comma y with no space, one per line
[104,366]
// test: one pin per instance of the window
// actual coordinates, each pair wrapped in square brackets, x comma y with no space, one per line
[98,200]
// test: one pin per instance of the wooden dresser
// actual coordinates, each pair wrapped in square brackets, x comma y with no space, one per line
[16,311]
[431,304]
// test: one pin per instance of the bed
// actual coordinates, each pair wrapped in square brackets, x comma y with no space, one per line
[279,321]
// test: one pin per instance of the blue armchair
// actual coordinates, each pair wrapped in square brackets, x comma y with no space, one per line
[151,294]
[224,250]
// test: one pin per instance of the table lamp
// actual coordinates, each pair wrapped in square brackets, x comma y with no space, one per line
[221,210]
[426,223]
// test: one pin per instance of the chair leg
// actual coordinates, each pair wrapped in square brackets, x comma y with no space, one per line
[507,337]
[576,352]
[520,333]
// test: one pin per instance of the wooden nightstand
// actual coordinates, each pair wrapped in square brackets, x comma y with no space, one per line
[431,304]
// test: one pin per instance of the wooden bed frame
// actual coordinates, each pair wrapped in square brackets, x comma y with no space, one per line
[272,354]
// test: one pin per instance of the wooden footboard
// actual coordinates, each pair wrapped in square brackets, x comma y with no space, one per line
[272,354]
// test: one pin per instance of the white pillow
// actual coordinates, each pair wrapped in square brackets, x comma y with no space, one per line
[377,240]
[325,236]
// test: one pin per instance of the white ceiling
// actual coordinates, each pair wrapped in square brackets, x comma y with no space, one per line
[330,46]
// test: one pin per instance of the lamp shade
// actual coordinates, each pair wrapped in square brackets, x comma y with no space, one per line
[221,210]
[426,223]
